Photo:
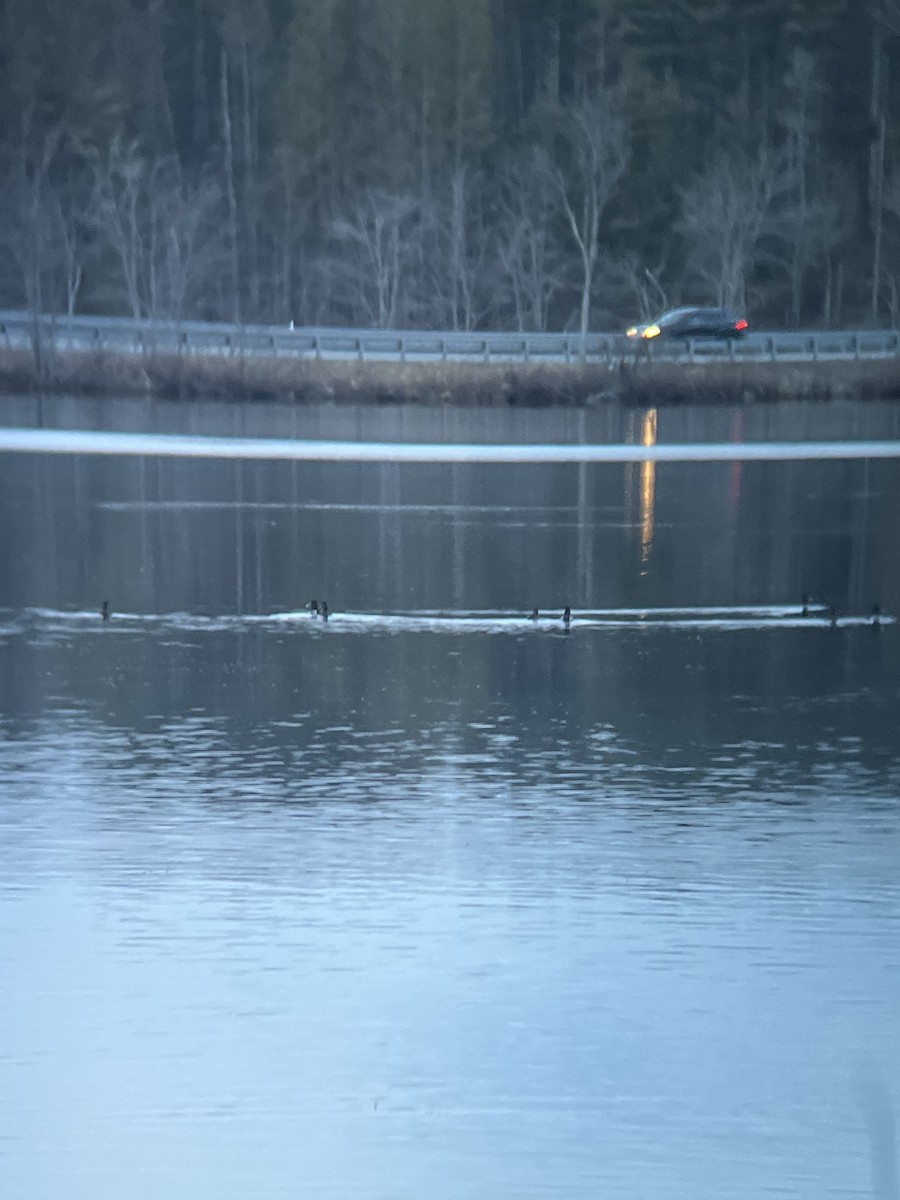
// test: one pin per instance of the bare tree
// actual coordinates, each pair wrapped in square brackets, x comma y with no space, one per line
[591,156]
[291,210]
[71,265]
[808,217]
[230,189]
[117,213]
[30,227]
[461,260]
[159,226]
[725,215]
[455,253]
[641,285]
[377,231]
[886,14]
[890,271]
[529,252]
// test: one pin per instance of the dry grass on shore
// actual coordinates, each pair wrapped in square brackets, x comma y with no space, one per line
[451,383]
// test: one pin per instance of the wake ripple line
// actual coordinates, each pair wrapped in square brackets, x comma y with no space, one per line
[158,445]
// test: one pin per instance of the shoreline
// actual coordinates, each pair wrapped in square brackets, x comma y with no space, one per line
[460,384]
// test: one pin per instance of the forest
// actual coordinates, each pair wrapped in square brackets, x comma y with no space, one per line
[451,164]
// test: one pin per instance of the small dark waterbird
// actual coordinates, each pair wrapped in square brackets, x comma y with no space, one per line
[323,610]
[104,610]
[313,607]
[567,616]
[534,614]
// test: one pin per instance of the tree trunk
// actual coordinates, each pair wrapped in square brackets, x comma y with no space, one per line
[230,193]
[876,164]
[878,217]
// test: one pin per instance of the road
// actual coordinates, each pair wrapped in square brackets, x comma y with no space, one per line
[124,335]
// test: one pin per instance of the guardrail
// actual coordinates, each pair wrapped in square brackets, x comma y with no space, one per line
[128,336]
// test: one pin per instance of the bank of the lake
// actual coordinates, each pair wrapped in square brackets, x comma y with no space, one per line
[631,380]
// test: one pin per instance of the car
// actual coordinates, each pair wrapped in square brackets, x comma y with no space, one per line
[692,322]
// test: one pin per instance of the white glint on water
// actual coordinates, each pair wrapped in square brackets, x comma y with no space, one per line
[71,441]
[459,622]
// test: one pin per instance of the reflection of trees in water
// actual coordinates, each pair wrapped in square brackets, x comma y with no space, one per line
[164,536]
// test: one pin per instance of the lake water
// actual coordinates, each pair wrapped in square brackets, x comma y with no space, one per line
[432,899]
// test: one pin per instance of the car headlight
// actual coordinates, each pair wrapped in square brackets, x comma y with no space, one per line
[632,332]
[651,331]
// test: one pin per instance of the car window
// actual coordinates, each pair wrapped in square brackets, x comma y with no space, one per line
[714,316]
[675,315]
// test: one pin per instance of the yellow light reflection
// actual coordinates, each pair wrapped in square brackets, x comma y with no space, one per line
[648,485]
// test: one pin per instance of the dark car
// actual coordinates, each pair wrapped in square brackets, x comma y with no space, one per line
[692,323]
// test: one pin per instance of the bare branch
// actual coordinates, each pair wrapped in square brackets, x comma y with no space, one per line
[592,157]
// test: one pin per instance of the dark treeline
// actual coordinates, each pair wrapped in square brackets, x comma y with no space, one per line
[458,164]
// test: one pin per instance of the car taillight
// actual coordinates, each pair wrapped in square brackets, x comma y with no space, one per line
[742,324]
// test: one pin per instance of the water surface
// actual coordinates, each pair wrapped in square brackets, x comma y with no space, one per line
[431,898]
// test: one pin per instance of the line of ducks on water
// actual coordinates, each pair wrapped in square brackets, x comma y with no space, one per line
[319,608]
[805,602]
